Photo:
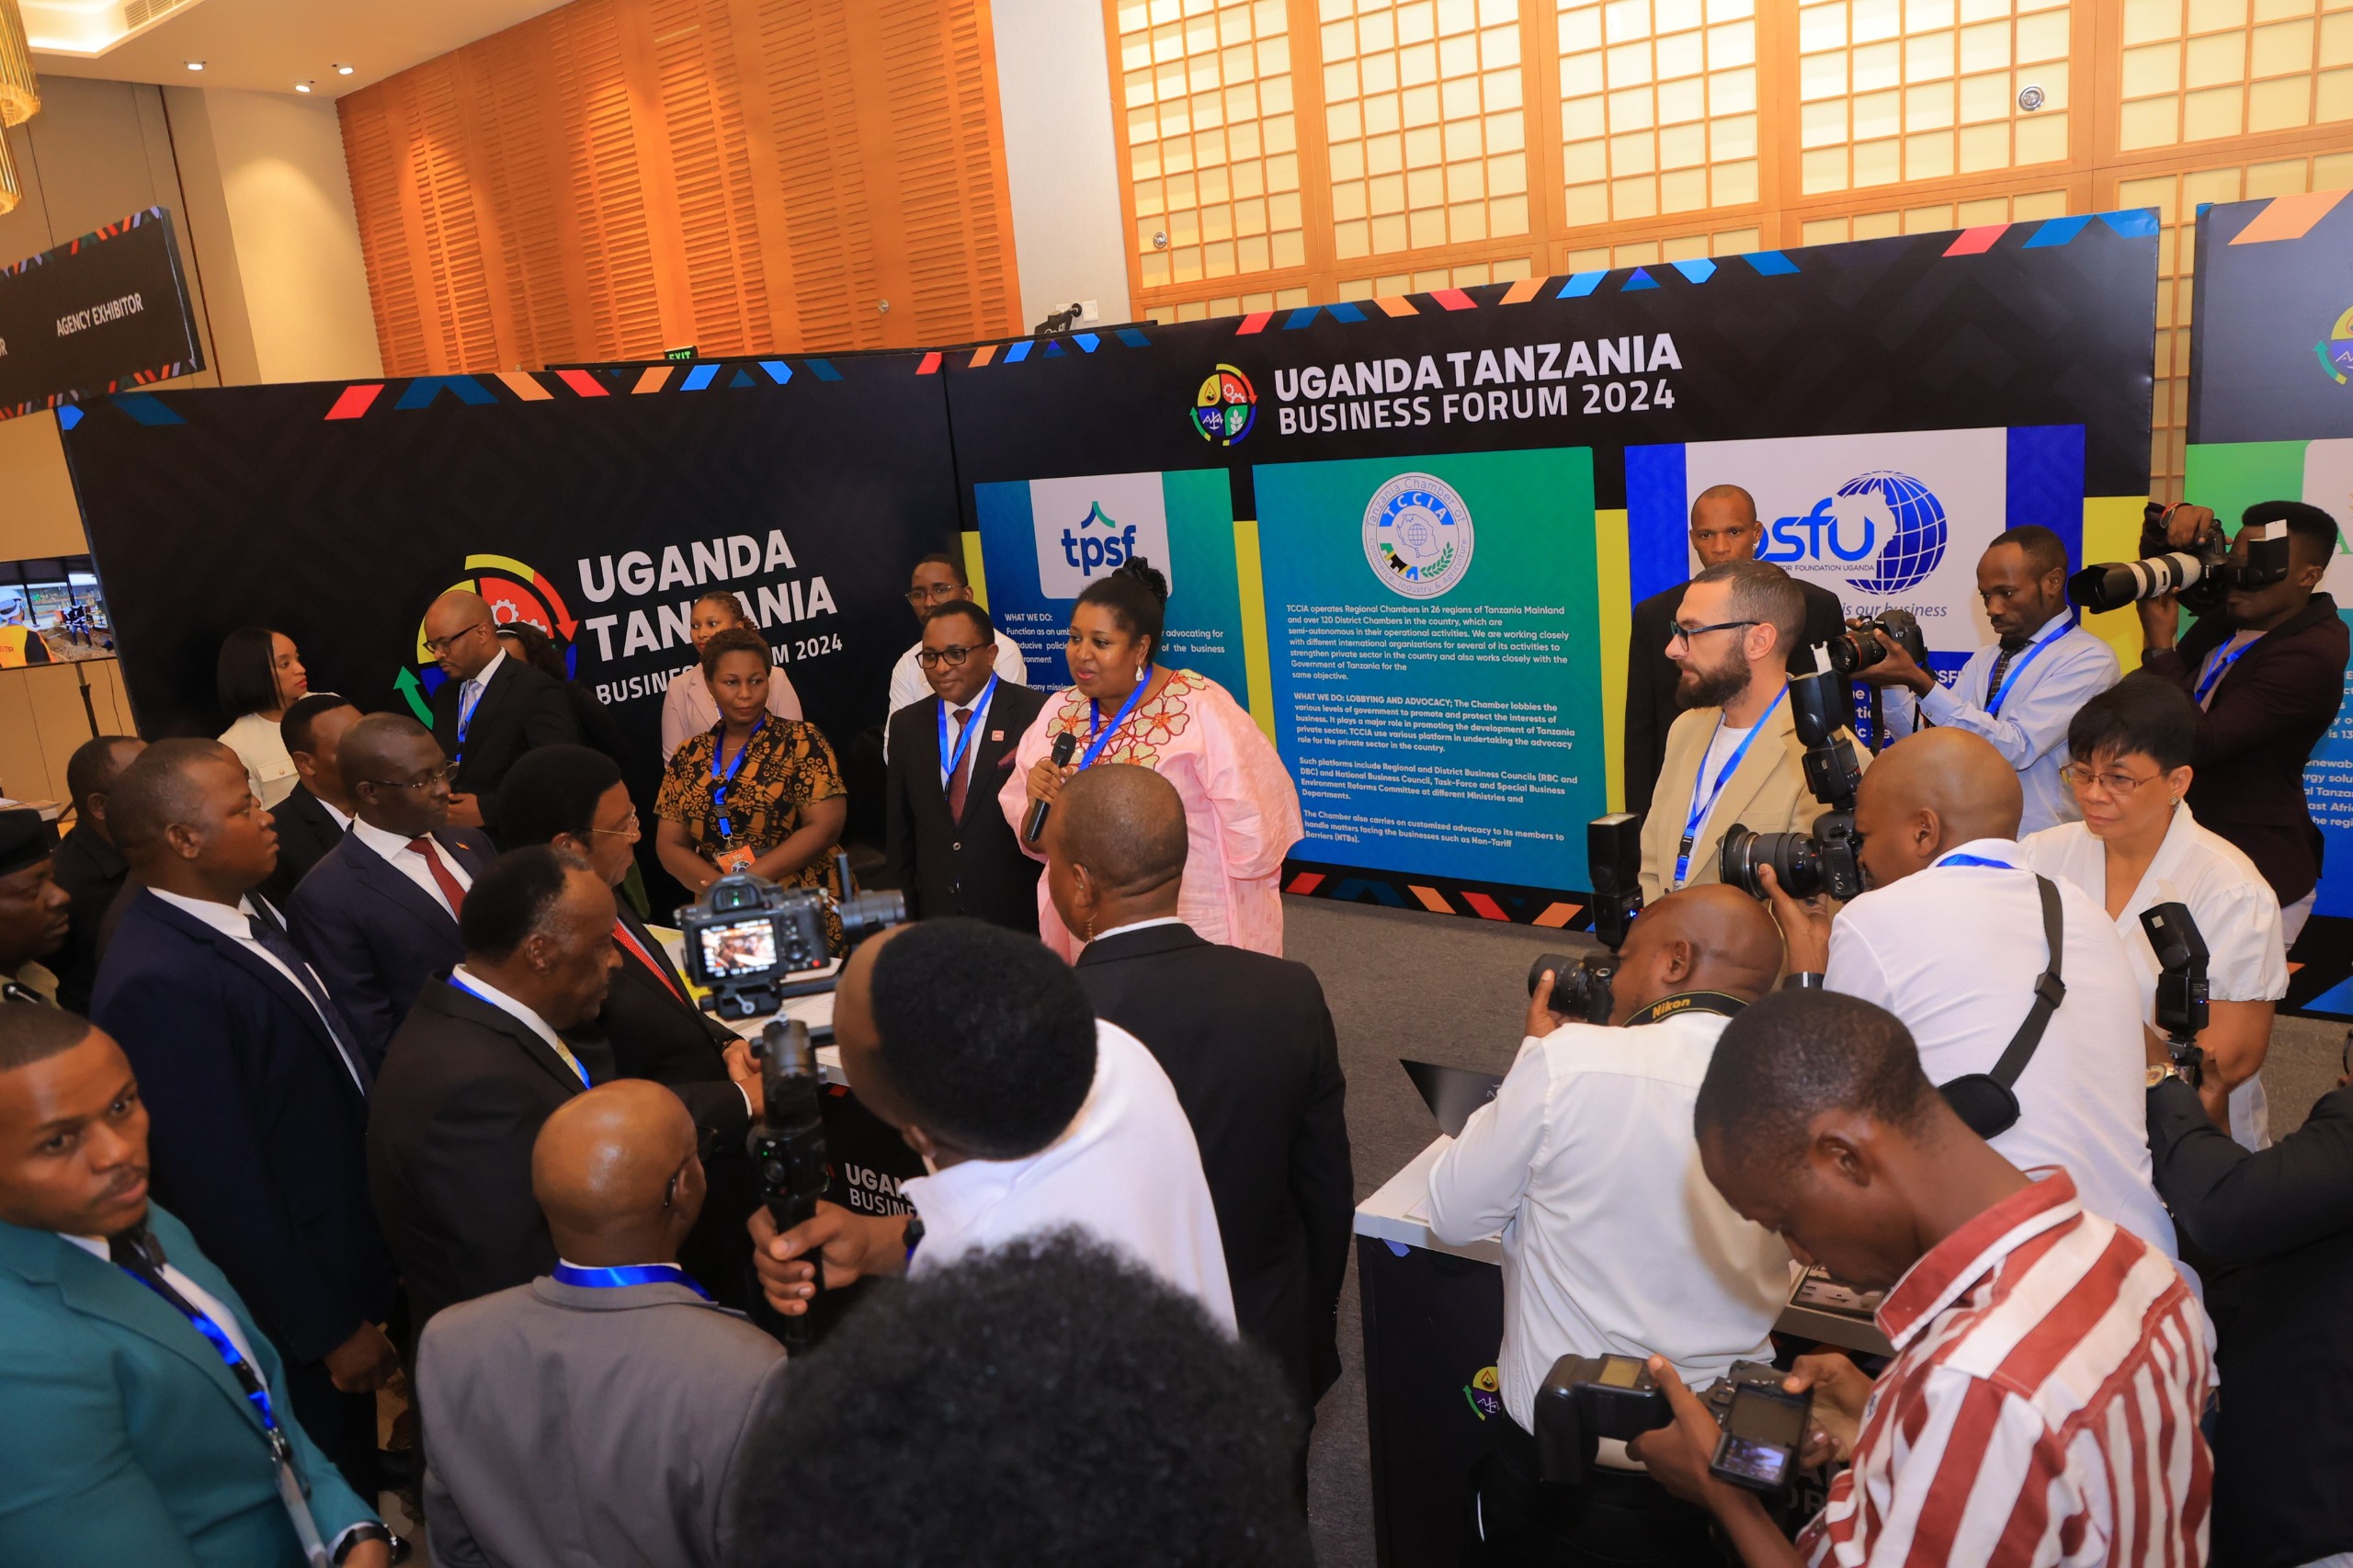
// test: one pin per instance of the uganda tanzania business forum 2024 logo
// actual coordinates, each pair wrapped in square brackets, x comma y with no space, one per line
[2336,353]
[1225,407]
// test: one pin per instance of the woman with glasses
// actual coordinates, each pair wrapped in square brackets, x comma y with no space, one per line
[2138,847]
[940,580]
[754,792]
[686,706]
[260,675]
[1240,809]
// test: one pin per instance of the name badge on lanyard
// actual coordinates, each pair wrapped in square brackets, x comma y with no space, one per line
[1102,732]
[2017,667]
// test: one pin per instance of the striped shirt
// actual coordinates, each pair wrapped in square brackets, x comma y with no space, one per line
[2042,1407]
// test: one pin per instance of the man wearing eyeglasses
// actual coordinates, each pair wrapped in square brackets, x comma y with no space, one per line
[378,913]
[1733,754]
[939,580]
[949,848]
[491,710]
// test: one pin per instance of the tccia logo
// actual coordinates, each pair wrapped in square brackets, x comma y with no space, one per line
[1417,535]
[1889,519]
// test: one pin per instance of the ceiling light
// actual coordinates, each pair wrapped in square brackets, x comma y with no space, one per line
[302,86]
[343,70]
[196,64]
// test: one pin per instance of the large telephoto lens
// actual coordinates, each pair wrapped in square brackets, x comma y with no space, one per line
[1795,858]
[2120,583]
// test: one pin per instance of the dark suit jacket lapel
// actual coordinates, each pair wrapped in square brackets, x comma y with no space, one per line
[474,1010]
[981,791]
[654,949]
[463,851]
[292,995]
[375,873]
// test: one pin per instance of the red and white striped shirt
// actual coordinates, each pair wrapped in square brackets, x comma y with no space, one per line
[2042,1407]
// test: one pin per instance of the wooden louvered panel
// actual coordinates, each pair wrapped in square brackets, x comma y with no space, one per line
[621,176]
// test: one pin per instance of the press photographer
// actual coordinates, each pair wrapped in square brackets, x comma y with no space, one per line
[2015,987]
[1612,1240]
[2006,1433]
[2267,663]
[2019,692]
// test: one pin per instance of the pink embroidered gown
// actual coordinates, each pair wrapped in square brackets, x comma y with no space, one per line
[1241,810]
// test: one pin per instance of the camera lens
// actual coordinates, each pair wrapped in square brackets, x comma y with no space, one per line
[1563,968]
[1795,858]
[2112,586]
[862,913]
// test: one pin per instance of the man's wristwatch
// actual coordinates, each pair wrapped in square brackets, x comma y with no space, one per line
[1802,982]
[2170,1070]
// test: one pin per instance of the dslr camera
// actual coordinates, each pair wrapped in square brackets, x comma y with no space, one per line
[747,935]
[1580,986]
[1857,649]
[1586,1398]
[2201,575]
[1826,861]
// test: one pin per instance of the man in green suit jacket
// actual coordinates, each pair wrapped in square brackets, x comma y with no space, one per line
[128,1435]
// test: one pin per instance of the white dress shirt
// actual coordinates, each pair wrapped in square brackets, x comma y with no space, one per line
[531,1020]
[237,924]
[409,863]
[1614,1240]
[908,685]
[2030,731]
[2237,913]
[1953,952]
[341,818]
[1126,1171]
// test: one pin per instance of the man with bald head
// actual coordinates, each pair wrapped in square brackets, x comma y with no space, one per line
[596,1413]
[490,710]
[378,912]
[1951,939]
[1724,527]
[1247,1042]
[1613,1240]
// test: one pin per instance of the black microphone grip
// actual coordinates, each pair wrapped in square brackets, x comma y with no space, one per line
[1064,743]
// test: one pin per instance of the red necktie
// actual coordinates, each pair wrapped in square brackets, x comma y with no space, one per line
[442,878]
[620,935]
[963,779]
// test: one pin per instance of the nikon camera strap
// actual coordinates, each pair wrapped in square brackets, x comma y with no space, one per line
[1988,1102]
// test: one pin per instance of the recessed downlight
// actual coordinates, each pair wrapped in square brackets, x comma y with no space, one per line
[343,70]
[196,64]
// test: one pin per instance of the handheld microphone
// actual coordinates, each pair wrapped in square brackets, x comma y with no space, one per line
[1064,743]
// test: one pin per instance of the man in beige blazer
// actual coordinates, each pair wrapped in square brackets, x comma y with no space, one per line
[1733,755]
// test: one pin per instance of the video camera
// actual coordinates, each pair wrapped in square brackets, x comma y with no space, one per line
[2201,575]
[747,934]
[1857,649]
[1586,1398]
[1826,861]
[2181,1006]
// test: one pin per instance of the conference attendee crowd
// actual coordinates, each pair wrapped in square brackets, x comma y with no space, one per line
[350,1086]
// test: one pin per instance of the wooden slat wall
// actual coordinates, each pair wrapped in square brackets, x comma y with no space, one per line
[620,176]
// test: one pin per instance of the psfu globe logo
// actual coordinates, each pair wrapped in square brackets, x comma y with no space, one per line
[2336,353]
[1417,535]
[1916,537]
[1225,407]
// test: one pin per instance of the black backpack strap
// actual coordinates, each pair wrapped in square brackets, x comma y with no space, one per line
[2050,989]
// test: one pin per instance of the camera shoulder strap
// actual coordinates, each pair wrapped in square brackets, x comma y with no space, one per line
[2050,989]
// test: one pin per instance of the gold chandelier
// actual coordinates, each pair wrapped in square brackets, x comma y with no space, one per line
[19,96]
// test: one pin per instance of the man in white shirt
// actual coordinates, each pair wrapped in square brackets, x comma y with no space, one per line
[1031,1116]
[1949,939]
[1614,1241]
[938,580]
[2019,692]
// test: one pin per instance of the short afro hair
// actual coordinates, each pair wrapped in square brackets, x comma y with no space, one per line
[1124,823]
[2144,712]
[969,611]
[96,765]
[986,1033]
[2312,532]
[159,789]
[553,790]
[294,731]
[1042,1405]
[2043,549]
[1790,1056]
[513,899]
[35,1034]
[732,640]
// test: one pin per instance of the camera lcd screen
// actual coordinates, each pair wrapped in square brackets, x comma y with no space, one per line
[745,948]
[1760,1463]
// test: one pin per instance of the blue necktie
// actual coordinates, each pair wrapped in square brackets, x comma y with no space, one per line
[274,942]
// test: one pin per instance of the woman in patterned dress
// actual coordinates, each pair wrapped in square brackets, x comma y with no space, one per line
[754,792]
[1241,810]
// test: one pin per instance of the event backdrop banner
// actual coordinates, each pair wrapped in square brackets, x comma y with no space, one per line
[595,504]
[1443,506]
[2271,418]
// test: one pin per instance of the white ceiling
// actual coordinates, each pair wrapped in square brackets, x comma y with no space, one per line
[269,45]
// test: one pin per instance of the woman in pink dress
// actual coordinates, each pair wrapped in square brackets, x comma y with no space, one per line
[1241,810]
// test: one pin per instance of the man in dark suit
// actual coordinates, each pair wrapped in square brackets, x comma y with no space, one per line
[480,1063]
[34,909]
[491,710]
[2269,668]
[1247,1042]
[573,797]
[1724,527]
[379,914]
[89,865]
[948,847]
[258,1087]
[314,817]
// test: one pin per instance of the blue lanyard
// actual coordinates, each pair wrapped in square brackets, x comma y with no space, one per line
[622,1275]
[257,1391]
[2017,667]
[1700,808]
[1974,861]
[488,1002]
[963,742]
[2222,668]
[719,745]
[1103,732]
[466,706]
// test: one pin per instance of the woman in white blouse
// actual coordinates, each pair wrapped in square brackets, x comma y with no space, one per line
[686,708]
[2138,846]
[259,676]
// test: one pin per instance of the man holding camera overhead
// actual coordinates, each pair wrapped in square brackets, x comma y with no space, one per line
[2019,692]
[1734,755]
[2267,665]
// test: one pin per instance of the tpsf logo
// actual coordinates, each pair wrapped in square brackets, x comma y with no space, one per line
[1888,520]
[1089,527]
